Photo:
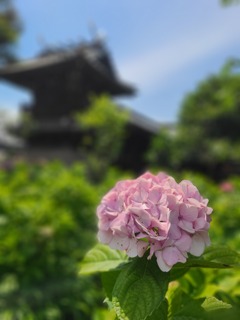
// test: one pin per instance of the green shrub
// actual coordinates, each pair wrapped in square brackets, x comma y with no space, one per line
[47,222]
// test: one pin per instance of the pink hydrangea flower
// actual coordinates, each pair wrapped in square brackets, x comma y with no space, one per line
[155,213]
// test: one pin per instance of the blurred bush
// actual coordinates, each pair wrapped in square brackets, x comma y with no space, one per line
[47,222]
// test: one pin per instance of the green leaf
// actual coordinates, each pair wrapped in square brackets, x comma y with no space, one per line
[182,306]
[108,280]
[174,296]
[191,309]
[176,273]
[212,304]
[139,289]
[101,258]
[223,255]
[219,257]
[161,312]
[102,314]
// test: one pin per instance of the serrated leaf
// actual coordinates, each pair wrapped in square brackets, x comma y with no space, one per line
[108,280]
[212,304]
[223,255]
[218,257]
[174,296]
[176,273]
[190,309]
[102,258]
[161,313]
[139,289]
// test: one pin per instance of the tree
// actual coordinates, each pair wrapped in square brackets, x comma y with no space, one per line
[229,2]
[207,137]
[9,31]
[208,134]
[103,125]
[161,149]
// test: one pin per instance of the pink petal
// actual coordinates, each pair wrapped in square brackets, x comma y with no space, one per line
[142,216]
[104,223]
[137,196]
[132,250]
[172,201]
[184,243]
[154,195]
[105,236]
[174,217]
[172,255]
[142,247]
[189,190]
[197,246]
[193,202]
[209,210]
[148,176]
[161,263]
[205,236]
[119,243]
[162,227]
[162,176]
[199,223]
[164,214]
[186,225]
[188,212]
[119,224]
[174,232]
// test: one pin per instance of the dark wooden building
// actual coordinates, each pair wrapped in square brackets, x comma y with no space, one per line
[61,82]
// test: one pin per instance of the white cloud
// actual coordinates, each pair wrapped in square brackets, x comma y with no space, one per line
[153,68]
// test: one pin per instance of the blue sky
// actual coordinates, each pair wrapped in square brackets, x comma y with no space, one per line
[164,47]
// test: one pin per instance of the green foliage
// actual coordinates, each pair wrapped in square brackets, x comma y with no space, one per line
[212,304]
[47,222]
[136,288]
[227,225]
[139,290]
[207,137]
[101,258]
[161,149]
[103,124]
[215,290]
[124,284]
[9,30]
[103,314]
[183,306]
[161,312]
[229,2]
[217,257]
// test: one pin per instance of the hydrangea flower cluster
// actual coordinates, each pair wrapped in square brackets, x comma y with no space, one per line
[155,213]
